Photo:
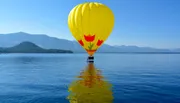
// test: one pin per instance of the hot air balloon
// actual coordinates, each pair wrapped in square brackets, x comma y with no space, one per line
[91,23]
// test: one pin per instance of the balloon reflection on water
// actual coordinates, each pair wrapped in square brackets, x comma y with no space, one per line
[90,87]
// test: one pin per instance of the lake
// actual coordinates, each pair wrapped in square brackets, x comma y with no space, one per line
[44,78]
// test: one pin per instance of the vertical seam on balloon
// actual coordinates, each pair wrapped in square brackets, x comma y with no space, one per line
[81,21]
[73,19]
[89,18]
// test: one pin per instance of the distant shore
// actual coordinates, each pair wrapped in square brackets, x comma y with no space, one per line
[86,53]
[142,52]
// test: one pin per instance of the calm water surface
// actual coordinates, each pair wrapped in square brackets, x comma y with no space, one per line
[44,78]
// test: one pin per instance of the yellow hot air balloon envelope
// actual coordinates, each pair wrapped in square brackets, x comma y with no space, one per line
[91,23]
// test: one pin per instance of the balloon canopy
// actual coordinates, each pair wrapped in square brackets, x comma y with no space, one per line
[91,23]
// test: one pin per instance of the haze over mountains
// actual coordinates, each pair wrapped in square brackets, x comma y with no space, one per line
[44,41]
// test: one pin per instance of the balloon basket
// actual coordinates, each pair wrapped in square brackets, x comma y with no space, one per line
[90,59]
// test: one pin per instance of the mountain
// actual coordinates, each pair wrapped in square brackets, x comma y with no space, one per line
[47,42]
[140,49]
[44,41]
[176,50]
[28,47]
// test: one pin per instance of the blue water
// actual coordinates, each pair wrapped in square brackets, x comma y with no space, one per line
[44,78]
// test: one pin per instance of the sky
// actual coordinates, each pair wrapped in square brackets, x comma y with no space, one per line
[150,23]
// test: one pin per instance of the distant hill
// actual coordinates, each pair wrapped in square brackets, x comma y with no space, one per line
[47,42]
[176,50]
[28,47]
[44,41]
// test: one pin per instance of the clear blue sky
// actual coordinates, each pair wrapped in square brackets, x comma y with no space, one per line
[153,23]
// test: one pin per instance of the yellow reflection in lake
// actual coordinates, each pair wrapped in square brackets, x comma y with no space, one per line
[90,87]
